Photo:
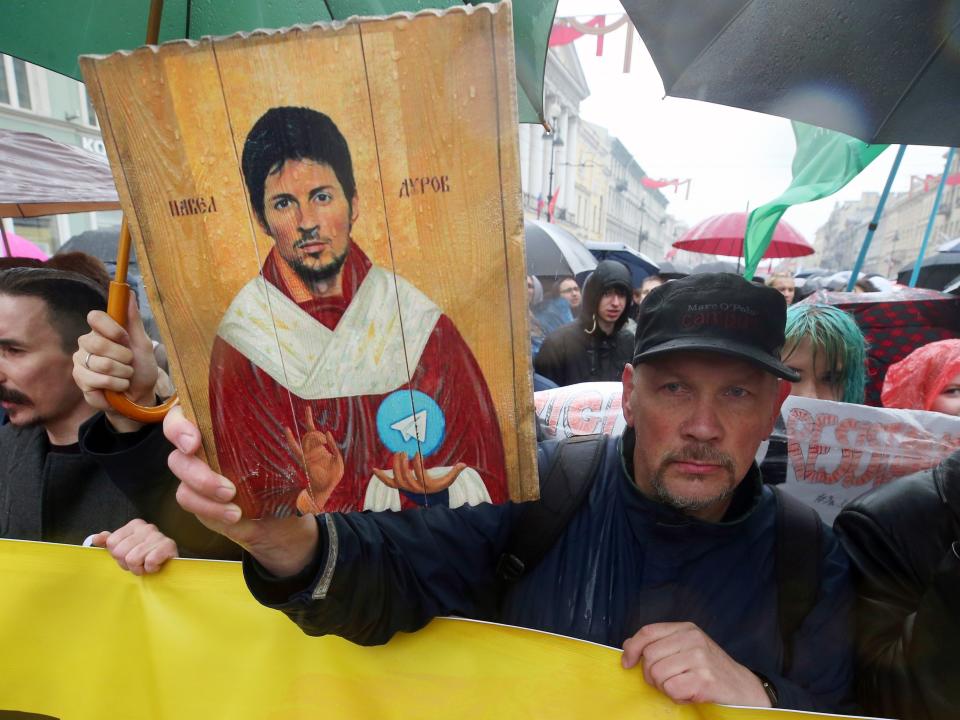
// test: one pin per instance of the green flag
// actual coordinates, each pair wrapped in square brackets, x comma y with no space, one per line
[824,163]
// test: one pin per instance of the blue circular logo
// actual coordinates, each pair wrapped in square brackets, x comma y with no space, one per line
[410,421]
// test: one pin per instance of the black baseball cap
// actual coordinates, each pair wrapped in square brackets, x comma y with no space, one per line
[714,312]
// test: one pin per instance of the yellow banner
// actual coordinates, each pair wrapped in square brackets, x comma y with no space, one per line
[82,640]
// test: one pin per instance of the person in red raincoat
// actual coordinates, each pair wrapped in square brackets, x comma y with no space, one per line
[926,379]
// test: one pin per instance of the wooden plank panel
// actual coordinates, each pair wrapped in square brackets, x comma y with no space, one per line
[422,104]
[526,482]
[181,191]
[321,69]
[442,188]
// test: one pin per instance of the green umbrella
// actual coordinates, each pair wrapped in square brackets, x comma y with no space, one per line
[52,33]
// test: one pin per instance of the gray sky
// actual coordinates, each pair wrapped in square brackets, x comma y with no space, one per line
[734,157]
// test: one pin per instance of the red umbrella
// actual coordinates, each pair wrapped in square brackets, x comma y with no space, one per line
[723,235]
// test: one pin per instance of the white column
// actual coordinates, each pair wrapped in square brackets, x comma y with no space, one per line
[523,147]
[560,164]
[536,146]
[570,188]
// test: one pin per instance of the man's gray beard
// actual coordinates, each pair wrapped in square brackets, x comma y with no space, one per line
[685,503]
[323,274]
[694,453]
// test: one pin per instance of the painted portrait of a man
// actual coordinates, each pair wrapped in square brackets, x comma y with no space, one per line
[334,383]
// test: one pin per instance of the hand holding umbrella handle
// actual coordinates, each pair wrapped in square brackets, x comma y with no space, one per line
[120,291]
[117,309]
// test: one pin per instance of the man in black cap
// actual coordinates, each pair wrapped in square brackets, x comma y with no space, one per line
[672,552]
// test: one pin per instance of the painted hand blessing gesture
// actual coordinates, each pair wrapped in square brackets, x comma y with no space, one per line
[321,457]
[416,479]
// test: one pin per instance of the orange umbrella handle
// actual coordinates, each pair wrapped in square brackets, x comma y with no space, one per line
[117,309]
[120,291]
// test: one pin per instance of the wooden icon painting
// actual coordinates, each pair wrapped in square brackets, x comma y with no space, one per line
[329,223]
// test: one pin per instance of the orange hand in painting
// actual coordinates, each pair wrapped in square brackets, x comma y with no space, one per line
[321,456]
[416,479]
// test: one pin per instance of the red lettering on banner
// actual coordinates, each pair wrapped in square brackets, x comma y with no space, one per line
[855,438]
[613,413]
[557,409]
[815,449]
[802,426]
[799,432]
[583,416]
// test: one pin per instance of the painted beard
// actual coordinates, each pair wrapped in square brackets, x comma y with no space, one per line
[323,274]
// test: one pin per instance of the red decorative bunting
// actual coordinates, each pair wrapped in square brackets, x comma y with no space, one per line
[566,30]
[650,183]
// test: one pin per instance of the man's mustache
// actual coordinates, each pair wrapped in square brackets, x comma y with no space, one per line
[309,236]
[700,454]
[12,396]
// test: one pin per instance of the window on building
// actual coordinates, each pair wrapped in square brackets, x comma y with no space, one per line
[23,87]
[14,85]
[40,231]
[4,86]
[89,116]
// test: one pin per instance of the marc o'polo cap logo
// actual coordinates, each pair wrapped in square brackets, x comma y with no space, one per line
[723,315]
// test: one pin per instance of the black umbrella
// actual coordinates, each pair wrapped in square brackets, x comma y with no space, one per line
[953,287]
[99,243]
[717,266]
[640,265]
[670,270]
[553,251]
[103,244]
[884,71]
[812,272]
[936,272]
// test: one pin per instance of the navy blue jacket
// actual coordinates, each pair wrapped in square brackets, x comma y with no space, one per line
[624,561]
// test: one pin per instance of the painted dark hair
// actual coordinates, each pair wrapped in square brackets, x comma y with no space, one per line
[293,133]
[69,296]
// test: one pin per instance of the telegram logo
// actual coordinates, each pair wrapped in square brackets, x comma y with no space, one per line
[410,421]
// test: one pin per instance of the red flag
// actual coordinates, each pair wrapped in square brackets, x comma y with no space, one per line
[649,182]
[565,34]
[553,205]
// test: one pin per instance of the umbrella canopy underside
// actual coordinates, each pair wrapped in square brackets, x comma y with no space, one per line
[100,27]
[41,177]
[884,71]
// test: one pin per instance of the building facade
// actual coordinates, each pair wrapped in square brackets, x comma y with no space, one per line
[33,99]
[592,182]
[838,242]
[549,159]
[899,234]
[637,216]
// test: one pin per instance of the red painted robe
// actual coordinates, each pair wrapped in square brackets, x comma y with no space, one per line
[250,407]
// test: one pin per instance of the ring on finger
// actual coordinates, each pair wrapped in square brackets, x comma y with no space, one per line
[86,360]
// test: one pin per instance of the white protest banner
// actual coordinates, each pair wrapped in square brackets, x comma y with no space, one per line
[582,409]
[837,451]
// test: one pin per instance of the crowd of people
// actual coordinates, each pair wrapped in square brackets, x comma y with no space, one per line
[718,586]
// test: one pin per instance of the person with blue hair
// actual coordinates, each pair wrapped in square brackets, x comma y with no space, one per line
[827,348]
